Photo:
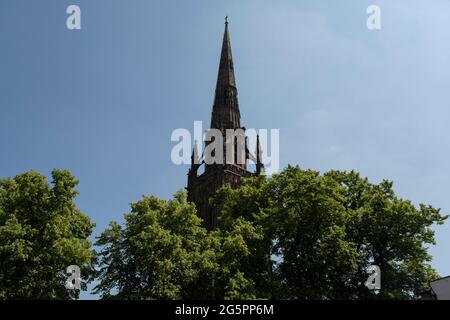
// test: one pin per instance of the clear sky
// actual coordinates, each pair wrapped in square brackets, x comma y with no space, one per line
[103,101]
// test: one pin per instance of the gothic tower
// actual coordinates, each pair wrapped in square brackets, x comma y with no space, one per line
[225,115]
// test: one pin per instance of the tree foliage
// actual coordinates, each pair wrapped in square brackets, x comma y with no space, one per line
[163,252]
[323,231]
[295,235]
[42,232]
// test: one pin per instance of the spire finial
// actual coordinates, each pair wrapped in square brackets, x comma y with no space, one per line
[226,19]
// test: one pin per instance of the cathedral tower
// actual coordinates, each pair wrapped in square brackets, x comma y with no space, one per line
[225,115]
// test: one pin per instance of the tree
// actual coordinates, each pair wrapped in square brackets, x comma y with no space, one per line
[304,253]
[391,233]
[42,232]
[296,235]
[163,252]
[321,232]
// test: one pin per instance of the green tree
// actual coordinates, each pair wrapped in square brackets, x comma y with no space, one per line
[296,235]
[304,253]
[321,232]
[163,252]
[42,232]
[389,232]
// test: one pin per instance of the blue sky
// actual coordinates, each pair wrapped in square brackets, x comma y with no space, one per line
[102,101]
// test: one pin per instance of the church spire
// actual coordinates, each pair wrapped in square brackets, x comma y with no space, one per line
[226,108]
[225,115]
[226,68]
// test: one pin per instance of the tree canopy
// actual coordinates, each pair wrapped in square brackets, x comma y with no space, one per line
[295,235]
[42,232]
[298,234]
[163,252]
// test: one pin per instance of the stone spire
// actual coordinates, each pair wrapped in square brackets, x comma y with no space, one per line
[225,114]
